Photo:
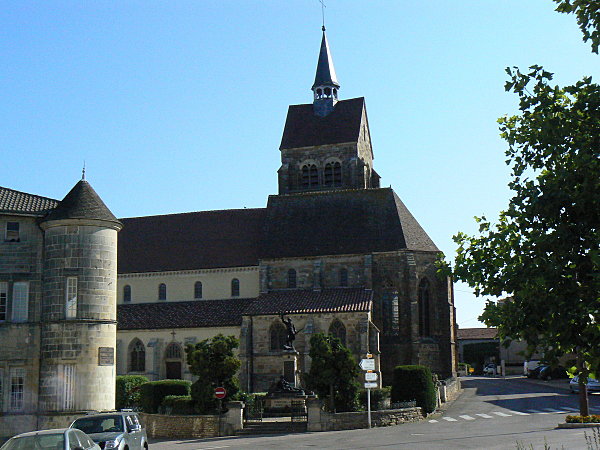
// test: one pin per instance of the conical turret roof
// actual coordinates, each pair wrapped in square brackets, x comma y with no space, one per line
[325,75]
[82,202]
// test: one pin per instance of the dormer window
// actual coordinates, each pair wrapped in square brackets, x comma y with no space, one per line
[12,232]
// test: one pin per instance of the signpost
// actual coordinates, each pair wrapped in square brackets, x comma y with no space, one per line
[368,365]
[220,393]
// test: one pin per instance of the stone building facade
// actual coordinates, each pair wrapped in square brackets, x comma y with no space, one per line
[57,308]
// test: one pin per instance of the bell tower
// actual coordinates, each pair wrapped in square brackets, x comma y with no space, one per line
[326,86]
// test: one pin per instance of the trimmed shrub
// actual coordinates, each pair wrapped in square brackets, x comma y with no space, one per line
[414,383]
[594,418]
[178,404]
[127,391]
[380,398]
[153,393]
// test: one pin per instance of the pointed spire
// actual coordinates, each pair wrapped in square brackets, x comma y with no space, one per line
[325,88]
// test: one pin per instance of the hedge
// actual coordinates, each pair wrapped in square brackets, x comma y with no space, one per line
[127,391]
[178,404]
[414,383]
[380,398]
[153,393]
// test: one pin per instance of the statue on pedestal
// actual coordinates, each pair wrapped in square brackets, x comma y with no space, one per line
[291,333]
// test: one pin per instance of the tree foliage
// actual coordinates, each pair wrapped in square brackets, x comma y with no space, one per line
[215,364]
[588,18]
[544,250]
[333,373]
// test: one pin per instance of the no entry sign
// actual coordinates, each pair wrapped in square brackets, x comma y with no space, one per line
[220,392]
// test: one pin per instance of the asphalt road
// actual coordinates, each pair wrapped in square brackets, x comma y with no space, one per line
[491,413]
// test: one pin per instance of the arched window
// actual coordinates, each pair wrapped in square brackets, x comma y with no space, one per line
[332,175]
[278,334]
[424,308]
[173,351]
[126,293]
[235,287]
[310,176]
[344,277]
[162,291]
[292,278]
[137,356]
[338,330]
[198,289]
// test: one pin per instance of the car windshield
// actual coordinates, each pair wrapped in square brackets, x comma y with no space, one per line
[36,442]
[100,424]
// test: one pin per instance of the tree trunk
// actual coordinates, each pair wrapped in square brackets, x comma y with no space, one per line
[584,408]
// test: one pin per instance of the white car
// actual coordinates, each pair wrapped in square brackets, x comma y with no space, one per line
[489,369]
[592,385]
[63,439]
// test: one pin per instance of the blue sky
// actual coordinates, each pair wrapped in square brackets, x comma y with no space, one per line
[179,106]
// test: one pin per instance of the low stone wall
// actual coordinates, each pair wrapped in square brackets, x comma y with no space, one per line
[182,427]
[449,390]
[12,424]
[356,420]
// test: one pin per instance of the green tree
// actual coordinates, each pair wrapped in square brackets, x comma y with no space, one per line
[333,373]
[588,18]
[215,364]
[544,250]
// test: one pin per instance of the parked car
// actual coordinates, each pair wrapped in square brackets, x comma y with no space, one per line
[553,373]
[115,431]
[535,373]
[489,369]
[592,385]
[529,366]
[63,438]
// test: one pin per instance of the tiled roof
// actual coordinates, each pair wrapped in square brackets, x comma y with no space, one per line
[310,302]
[198,240]
[82,202]
[340,222]
[477,333]
[12,201]
[305,129]
[191,314]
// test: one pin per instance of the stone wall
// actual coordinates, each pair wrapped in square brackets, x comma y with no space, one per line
[357,420]
[180,427]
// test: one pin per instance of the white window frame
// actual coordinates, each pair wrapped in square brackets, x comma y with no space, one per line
[67,376]
[17,396]
[71,298]
[3,301]
[12,235]
[20,301]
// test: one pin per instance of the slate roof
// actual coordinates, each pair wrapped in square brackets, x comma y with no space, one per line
[305,129]
[198,240]
[310,301]
[82,202]
[17,202]
[192,314]
[477,333]
[325,75]
[340,222]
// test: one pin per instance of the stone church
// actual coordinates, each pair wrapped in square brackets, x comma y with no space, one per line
[332,250]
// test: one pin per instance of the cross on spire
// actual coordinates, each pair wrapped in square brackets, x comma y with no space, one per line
[322,2]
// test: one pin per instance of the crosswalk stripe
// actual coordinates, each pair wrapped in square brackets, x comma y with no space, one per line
[519,413]
[535,411]
[449,419]
[485,416]
[552,410]
[433,421]
[501,414]
[568,408]
[467,417]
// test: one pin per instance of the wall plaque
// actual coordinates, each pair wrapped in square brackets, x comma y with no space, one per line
[106,356]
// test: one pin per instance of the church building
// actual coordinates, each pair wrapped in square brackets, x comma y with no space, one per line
[332,250]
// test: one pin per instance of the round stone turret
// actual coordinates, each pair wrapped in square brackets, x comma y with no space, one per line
[79,307]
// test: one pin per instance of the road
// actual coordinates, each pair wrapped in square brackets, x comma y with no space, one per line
[491,413]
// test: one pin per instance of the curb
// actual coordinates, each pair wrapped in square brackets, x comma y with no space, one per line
[578,425]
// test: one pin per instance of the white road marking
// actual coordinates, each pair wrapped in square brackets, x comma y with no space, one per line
[211,448]
[467,417]
[433,421]
[501,414]
[449,419]
[568,408]
[554,411]
[485,416]
[519,413]
[536,411]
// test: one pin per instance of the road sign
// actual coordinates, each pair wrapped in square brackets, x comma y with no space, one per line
[367,364]
[220,392]
[371,376]
[370,385]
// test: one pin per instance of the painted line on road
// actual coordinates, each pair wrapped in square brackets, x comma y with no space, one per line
[211,448]
[519,413]
[501,414]
[467,417]
[433,421]
[485,416]
[449,419]
[536,411]
[568,408]
[555,411]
